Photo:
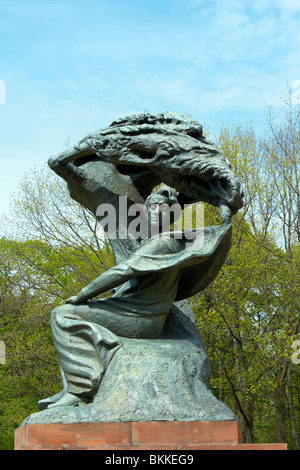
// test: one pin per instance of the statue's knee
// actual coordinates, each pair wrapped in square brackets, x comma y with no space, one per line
[58,314]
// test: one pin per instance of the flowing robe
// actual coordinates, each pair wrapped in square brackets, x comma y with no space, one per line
[166,268]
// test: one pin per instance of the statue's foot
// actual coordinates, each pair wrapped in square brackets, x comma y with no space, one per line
[45,402]
[70,400]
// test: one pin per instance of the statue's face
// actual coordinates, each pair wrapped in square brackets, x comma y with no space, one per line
[159,213]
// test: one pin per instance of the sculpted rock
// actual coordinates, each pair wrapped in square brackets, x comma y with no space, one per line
[161,380]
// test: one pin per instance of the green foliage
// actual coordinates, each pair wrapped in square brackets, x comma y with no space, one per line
[249,316]
[35,279]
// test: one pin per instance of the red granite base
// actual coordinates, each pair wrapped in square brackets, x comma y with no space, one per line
[158,435]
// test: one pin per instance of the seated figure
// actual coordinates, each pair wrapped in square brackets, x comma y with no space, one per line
[87,333]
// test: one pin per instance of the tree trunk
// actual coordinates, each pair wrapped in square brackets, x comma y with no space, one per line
[292,410]
[247,427]
[280,413]
[220,379]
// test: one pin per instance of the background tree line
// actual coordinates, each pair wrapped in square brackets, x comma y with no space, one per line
[248,317]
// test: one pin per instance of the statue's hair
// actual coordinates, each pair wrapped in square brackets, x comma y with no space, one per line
[167,192]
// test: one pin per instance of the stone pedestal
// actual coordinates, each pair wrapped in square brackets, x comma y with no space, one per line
[155,435]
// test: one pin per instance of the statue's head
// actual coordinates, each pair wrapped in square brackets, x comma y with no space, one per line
[163,209]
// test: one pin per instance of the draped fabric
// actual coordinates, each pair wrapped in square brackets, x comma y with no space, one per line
[87,336]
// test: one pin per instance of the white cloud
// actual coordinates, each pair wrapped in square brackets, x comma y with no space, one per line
[290,5]
[170,91]
[238,5]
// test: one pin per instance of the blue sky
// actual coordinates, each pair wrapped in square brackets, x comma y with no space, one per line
[72,67]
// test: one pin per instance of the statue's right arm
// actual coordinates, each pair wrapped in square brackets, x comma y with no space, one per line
[110,279]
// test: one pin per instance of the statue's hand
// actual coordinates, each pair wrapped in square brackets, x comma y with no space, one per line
[225,213]
[73,300]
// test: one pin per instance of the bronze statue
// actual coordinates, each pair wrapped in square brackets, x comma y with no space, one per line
[88,333]
[137,355]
